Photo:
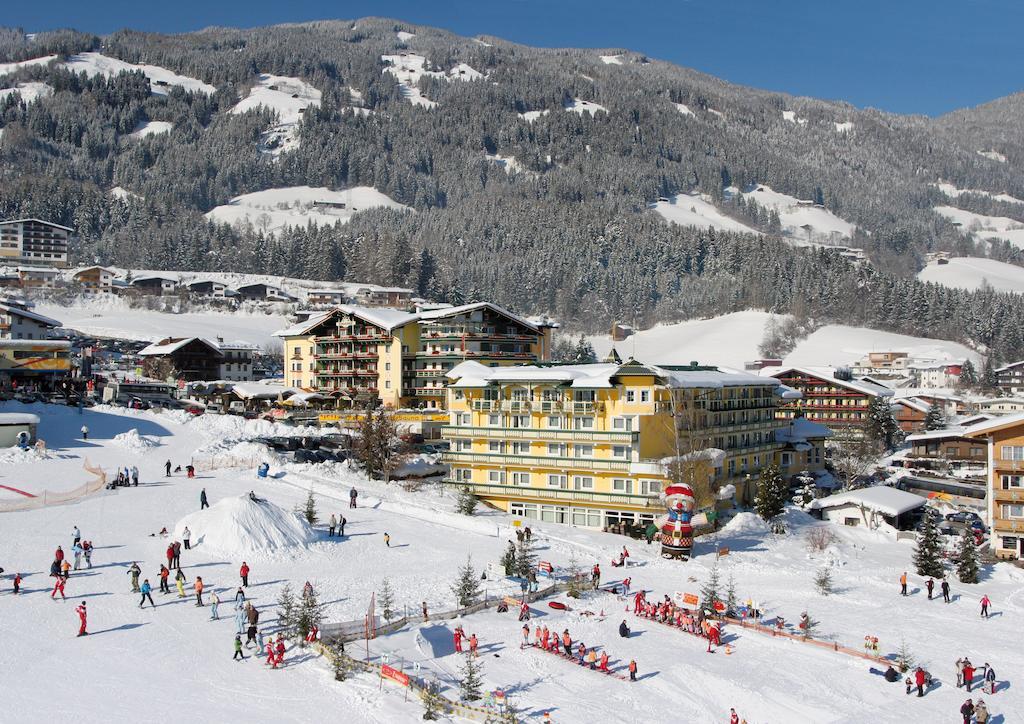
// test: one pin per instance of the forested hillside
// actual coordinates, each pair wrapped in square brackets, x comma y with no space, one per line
[518,191]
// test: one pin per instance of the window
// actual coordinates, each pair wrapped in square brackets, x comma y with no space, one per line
[557,481]
[977,452]
[582,482]
[583,451]
[556,449]
[586,518]
[622,485]
[525,510]
[554,422]
[496,477]
[630,396]
[463,445]
[584,395]
[622,452]
[496,446]
[1011,452]
[519,421]
[583,423]
[387,384]
[1012,481]
[463,474]
[520,448]
[1011,511]
[520,478]
[622,423]
[387,366]
[553,513]
[650,487]
[645,395]
[494,420]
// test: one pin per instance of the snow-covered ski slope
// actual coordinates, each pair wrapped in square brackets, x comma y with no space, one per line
[970,272]
[174,661]
[160,78]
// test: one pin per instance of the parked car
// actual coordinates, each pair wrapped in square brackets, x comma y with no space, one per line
[215,409]
[195,410]
[963,516]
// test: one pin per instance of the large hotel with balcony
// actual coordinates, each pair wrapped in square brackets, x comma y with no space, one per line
[590,445]
[35,242]
[1005,496]
[363,355]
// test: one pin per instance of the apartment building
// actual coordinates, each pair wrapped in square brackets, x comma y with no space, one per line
[370,355]
[1010,378]
[841,405]
[882,364]
[236,365]
[18,321]
[593,445]
[1004,437]
[34,241]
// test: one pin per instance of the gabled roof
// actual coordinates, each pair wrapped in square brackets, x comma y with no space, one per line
[948,433]
[197,282]
[1010,366]
[172,345]
[801,429]
[39,221]
[434,314]
[384,317]
[879,498]
[20,312]
[868,388]
[913,403]
[96,267]
[982,429]
[153,277]
[302,328]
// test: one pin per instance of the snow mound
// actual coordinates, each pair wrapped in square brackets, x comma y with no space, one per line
[239,526]
[746,524]
[235,454]
[135,442]
[420,466]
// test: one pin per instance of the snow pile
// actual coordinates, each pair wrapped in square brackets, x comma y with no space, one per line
[273,209]
[17,456]
[6,68]
[159,78]
[698,210]
[29,92]
[239,526]
[1000,228]
[581,107]
[970,272]
[150,128]
[953,192]
[132,441]
[796,213]
[420,466]
[745,524]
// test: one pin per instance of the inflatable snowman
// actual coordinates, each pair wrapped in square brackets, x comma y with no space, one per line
[677,525]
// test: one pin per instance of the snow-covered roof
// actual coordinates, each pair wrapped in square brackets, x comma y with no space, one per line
[300,328]
[996,423]
[913,403]
[154,277]
[18,418]
[40,221]
[1010,366]
[95,267]
[800,429]
[383,317]
[944,434]
[20,312]
[828,375]
[879,498]
[39,270]
[170,346]
[262,391]
[450,311]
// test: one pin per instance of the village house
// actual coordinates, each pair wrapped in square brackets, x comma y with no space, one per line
[870,507]
[207,288]
[264,293]
[154,285]
[188,359]
[841,405]
[94,279]
[1010,378]
[34,277]
[18,321]
[910,413]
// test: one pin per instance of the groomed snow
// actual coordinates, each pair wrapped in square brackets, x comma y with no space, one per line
[150,128]
[999,228]
[581,107]
[795,213]
[6,68]
[953,192]
[237,526]
[970,272]
[698,210]
[160,78]
[273,209]
[838,344]
[29,92]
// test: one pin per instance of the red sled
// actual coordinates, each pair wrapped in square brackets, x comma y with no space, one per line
[558,606]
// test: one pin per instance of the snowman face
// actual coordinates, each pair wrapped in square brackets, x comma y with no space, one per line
[679,504]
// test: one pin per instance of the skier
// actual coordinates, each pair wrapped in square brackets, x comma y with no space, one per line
[903,584]
[203,502]
[65,569]
[239,597]
[146,592]
[58,587]
[270,651]
[17,583]
[135,476]
[259,642]
[387,539]
[190,471]
[980,712]
[567,642]
[214,602]
[638,602]
[425,616]
[526,635]
[238,649]
[58,556]
[87,552]
[185,535]
[457,638]
[632,669]
[250,635]
[352,495]
[341,526]
[968,674]
[967,710]
[76,535]
[626,582]
[85,432]
[179,581]
[244,573]
[279,650]
[603,666]
[331,526]
[170,555]
[77,550]
[472,644]
[985,603]
[167,469]
[945,590]
[624,630]
[177,554]
[959,673]
[135,572]
[929,584]
[252,614]
[239,620]
[595,575]
[733,717]
[919,679]
[198,587]
[81,618]
[989,680]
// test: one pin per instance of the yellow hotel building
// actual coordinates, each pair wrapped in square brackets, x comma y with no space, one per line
[367,355]
[1005,495]
[586,445]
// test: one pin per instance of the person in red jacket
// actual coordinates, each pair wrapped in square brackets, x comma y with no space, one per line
[17,583]
[58,587]
[81,618]
[59,555]
[279,651]
[244,573]
[919,681]
[968,673]
[604,662]
[632,669]
[457,636]
[638,602]
[733,717]
[472,644]
[170,556]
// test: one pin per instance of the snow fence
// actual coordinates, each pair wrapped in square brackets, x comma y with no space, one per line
[50,497]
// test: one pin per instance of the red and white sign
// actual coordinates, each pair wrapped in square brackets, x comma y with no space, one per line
[394,674]
[545,566]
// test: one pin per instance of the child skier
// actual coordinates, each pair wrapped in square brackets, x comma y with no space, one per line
[81,619]
[214,602]
[238,649]
[146,592]
[179,581]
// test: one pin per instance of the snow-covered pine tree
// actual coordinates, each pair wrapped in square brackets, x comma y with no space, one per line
[286,610]
[935,419]
[584,353]
[526,559]
[731,601]
[466,500]
[770,500]
[928,552]
[467,586]
[806,492]
[882,428]
[386,600]
[339,662]
[470,682]
[989,380]
[904,658]
[508,559]
[709,592]
[431,702]
[309,510]
[823,580]
[968,375]
[967,558]
[573,591]
[310,613]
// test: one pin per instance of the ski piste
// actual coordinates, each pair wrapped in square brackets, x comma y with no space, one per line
[574,661]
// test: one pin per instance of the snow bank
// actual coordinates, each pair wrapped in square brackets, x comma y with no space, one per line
[134,442]
[235,454]
[240,527]
[746,524]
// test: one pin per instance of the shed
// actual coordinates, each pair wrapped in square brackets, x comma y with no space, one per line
[870,506]
[13,424]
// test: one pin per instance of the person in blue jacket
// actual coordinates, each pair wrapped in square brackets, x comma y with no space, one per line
[146,591]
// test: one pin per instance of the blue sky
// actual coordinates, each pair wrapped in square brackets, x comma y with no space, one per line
[908,56]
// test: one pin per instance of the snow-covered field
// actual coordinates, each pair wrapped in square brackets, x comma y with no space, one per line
[160,78]
[174,660]
[969,272]
[273,209]
[684,109]
[113,318]
[985,227]
[698,210]
[732,339]
[795,213]
[580,106]
[150,128]
[29,92]
[286,96]
[6,68]
[611,59]
[953,192]
[531,116]
[792,117]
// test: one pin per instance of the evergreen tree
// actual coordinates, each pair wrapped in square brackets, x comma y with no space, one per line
[989,378]
[340,662]
[308,511]
[772,490]
[508,559]
[309,613]
[967,558]
[573,590]
[431,702]
[526,559]
[287,611]
[968,375]
[928,552]
[709,592]
[882,428]
[935,419]
[806,492]
[808,625]
[386,600]
[584,353]
[731,602]
[823,580]
[467,586]
[904,658]
[466,500]
[470,681]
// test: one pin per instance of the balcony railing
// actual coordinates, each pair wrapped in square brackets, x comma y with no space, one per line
[1009,526]
[485,405]
[529,433]
[587,408]
[537,461]
[559,494]
[428,391]
[1013,495]
[1011,465]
